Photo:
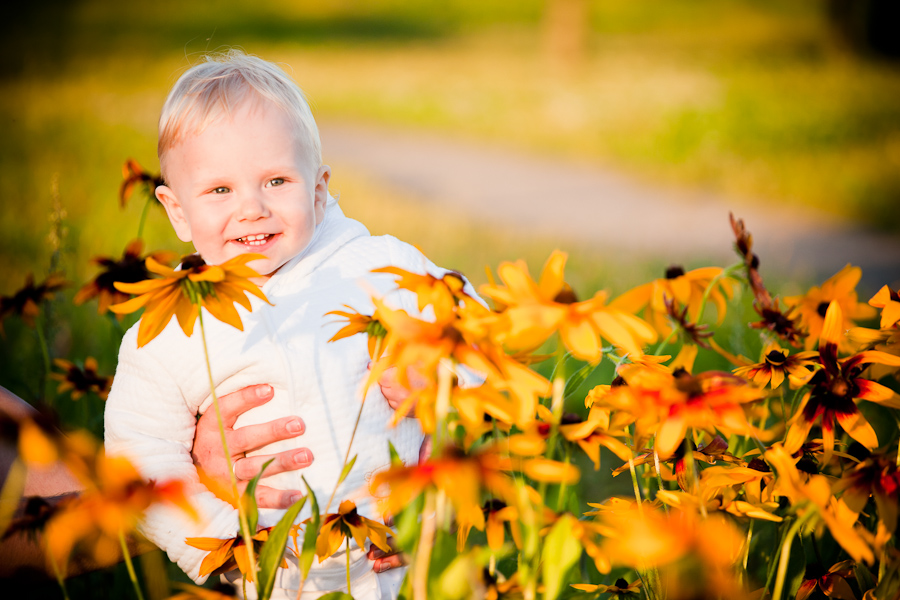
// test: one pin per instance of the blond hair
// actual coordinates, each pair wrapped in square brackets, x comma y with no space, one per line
[218,86]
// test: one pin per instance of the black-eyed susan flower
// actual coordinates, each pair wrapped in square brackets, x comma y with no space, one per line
[347,524]
[687,289]
[876,476]
[182,293]
[776,364]
[81,380]
[533,311]
[133,174]
[667,404]
[840,288]
[831,583]
[27,301]
[360,323]
[888,301]
[131,268]
[109,508]
[228,554]
[836,388]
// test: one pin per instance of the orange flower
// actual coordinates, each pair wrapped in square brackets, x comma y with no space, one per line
[876,476]
[182,293]
[27,301]
[686,289]
[131,268]
[347,524]
[134,174]
[889,302]
[225,555]
[533,311]
[81,381]
[840,288]
[776,364]
[836,388]
[833,583]
[620,589]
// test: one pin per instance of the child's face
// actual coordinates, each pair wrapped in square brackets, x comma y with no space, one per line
[243,185]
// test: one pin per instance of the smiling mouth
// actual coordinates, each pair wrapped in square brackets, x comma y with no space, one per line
[258,239]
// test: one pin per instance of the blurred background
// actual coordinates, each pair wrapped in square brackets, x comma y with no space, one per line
[620,131]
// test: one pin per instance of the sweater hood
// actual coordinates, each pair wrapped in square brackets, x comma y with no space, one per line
[335,231]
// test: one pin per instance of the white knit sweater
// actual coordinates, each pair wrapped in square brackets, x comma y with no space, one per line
[160,389]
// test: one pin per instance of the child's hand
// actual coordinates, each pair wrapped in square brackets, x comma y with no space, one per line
[396,393]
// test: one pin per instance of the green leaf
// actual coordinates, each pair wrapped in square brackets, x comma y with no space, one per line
[248,499]
[561,552]
[395,456]
[310,534]
[336,596]
[273,550]
[347,468]
[578,378]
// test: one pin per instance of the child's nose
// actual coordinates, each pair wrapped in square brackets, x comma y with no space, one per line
[253,206]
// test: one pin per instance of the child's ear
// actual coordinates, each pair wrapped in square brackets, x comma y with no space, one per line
[182,228]
[321,192]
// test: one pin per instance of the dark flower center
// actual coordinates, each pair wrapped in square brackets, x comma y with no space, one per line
[674,271]
[566,296]
[775,358]
[621,583]
[192,261]
[822,309]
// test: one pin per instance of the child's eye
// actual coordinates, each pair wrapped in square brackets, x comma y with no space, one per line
[221,190]
[275,182]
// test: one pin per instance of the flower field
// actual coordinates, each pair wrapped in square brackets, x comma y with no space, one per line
[759,449]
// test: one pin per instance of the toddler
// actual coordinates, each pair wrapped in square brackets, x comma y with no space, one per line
[241,158]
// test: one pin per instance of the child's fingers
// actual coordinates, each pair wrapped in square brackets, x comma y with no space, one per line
[247,467]
[251,437]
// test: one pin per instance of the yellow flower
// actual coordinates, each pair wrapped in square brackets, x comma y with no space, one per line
[840,288]
[667,404]
[442,294]
[131,268]
[533,311]
[347,524]
[27,301]
[111,506]
[182,293]
[225,555]
[359,323]
[81,381]
[620,589]
[889,302]
[462,477]
[775,364]
[686,289]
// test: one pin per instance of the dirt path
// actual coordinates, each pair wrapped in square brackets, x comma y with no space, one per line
[604,209]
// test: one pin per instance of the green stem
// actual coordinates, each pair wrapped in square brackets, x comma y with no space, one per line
[349,593]
[60,580]
[561,498]
[694,474]
[362,404]
[45,355]
[242,509]
[746,559]
[129,565]
[423,552]
[634,479]
[785,554]
[712,283]
[659,480]
[143,220]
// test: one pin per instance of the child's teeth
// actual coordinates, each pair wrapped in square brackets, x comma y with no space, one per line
[254,240]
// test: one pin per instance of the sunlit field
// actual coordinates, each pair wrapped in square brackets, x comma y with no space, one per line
[761,102]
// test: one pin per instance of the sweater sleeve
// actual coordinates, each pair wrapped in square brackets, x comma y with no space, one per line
[148,422]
